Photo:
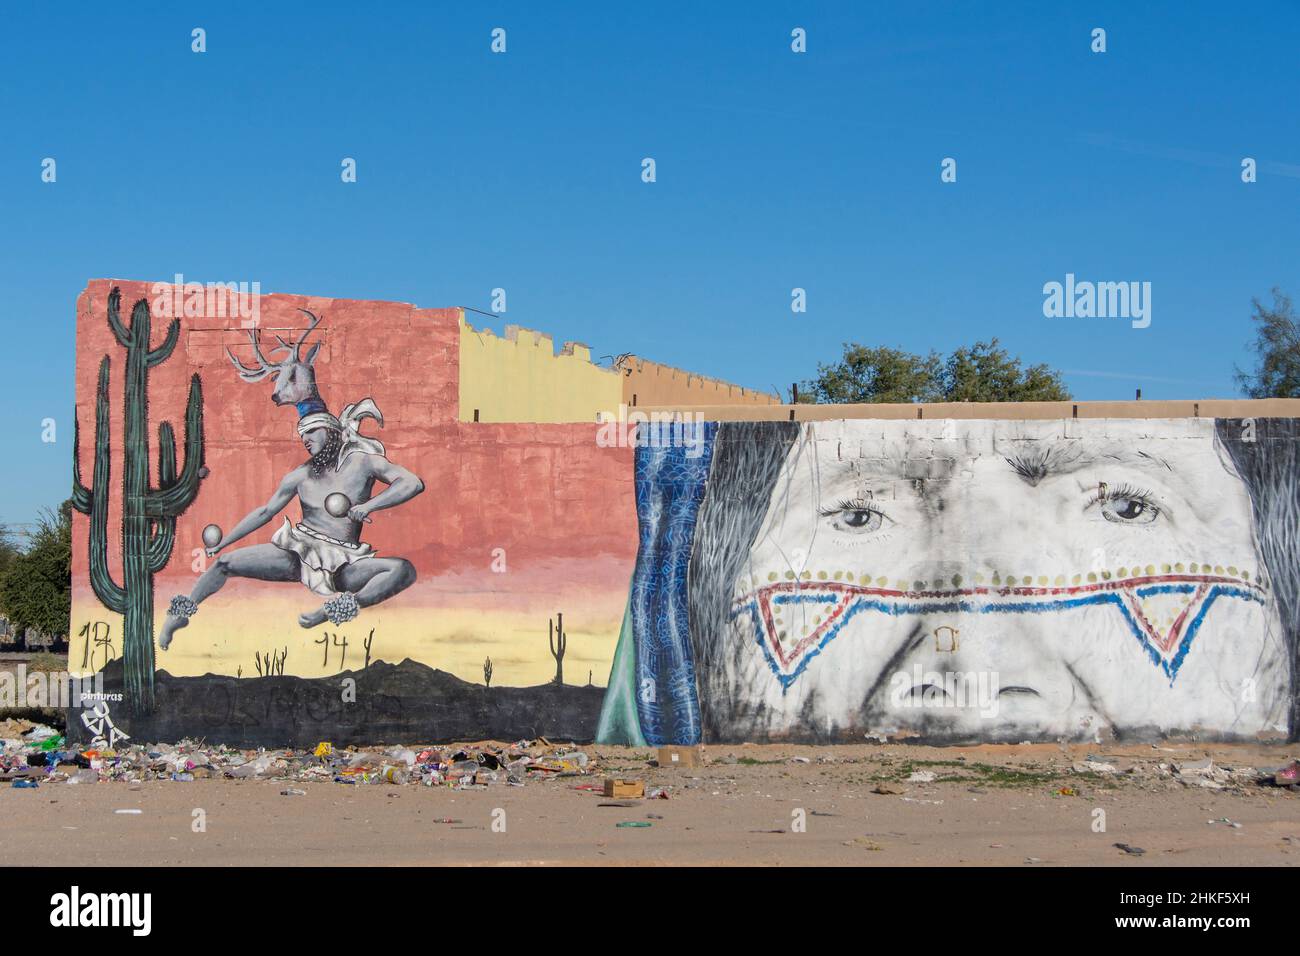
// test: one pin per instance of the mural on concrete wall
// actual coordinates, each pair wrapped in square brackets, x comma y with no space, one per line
[963,580]
[451,579]
[837,580]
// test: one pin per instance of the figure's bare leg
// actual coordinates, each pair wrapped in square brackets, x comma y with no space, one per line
[262,562]
[369,581]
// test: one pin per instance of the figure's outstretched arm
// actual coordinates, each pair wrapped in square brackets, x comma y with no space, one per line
[260,516]
[403,485]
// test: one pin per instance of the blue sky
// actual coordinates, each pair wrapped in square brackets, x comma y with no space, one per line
[774,171]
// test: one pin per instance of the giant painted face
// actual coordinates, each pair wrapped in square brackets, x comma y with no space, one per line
[1003,580]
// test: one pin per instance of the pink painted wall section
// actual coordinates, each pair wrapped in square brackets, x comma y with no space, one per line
[516,522]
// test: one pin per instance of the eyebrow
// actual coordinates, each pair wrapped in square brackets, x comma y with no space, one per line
[1033,465]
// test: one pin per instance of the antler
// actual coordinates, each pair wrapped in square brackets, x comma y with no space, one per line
[315,321]
[266,367]
[263,367]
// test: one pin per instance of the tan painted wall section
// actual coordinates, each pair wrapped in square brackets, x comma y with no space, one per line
[649,383]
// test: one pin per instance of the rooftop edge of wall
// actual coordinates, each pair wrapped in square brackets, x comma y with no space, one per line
[1011,411]
[537,339]
[641,362]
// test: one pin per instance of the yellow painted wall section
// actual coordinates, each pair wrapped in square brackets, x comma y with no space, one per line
[518,377]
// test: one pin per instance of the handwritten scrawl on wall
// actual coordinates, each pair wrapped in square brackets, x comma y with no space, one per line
[809,581]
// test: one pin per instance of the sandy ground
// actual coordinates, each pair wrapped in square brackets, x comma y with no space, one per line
[990,805]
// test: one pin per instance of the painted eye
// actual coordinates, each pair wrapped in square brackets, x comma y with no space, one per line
[1129,510]
[860,519]
[855,517]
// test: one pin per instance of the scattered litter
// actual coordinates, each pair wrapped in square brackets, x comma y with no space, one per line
[623,788]
[922,776]
[293,792]
[1287,776]
[1225,820]
[131,812]
[675,756]
[633,824]
[863,842]
[33,753]
[1092,765]
[1130,850]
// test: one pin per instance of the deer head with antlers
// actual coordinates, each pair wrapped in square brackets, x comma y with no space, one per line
[295,378]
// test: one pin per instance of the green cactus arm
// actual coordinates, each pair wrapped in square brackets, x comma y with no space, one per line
[120,331]
[163,352]
[166,455]
[173,499]
[102,583]
[80,493]
[163,536]
[160,544]
[101,580]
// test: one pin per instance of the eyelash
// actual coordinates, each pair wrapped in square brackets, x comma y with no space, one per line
[854,504]
[1131,492]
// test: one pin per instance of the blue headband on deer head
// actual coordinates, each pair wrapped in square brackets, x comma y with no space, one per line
[311,406]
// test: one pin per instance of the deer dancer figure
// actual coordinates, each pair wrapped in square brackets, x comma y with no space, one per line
[334,489]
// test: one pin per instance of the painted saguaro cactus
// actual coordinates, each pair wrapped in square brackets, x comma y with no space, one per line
[148,513]
[554,631]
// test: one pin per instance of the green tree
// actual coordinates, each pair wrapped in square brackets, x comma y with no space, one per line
[36,585]
[879,374]
[1277,348]
[983,372]
[8,552]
